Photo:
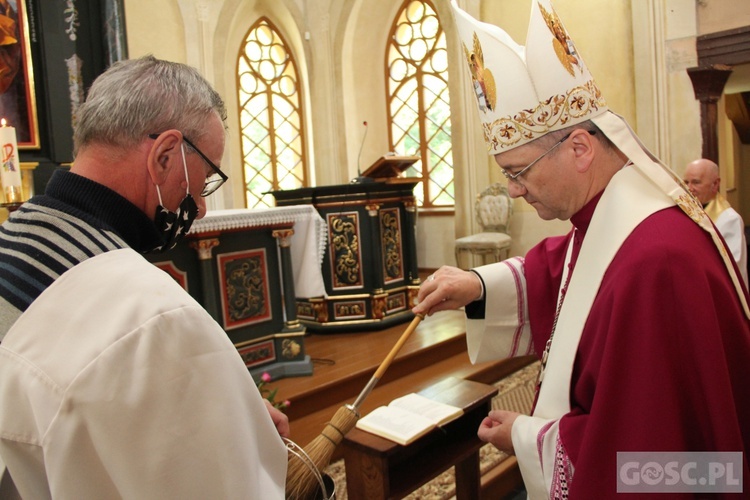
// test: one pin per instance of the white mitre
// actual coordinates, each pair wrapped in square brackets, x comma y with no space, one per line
[525,94]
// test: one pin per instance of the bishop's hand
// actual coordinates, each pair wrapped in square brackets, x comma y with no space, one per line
[447,288]
[496,429]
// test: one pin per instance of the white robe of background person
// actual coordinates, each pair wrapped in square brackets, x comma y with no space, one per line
[732,229]
[124,387]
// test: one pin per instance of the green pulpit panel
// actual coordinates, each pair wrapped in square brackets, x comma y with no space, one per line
[238,265]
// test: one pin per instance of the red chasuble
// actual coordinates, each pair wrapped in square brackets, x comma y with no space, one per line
[664,358]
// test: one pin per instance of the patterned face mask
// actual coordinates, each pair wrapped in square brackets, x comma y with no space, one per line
[173,226]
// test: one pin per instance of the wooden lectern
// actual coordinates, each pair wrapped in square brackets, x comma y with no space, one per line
[388,168]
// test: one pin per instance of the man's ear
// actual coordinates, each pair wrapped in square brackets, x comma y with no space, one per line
[583,148]
[164,154]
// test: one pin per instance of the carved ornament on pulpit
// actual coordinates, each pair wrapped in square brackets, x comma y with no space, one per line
[246,287]
[393,268]
[345,249]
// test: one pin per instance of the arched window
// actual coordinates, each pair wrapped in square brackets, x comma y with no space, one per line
[273,141]
[418,101]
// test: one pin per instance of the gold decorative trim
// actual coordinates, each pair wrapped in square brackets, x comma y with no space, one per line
[554,113]
[355,296]
[284,237]
[269,337]
[352,296]
[379,307]
[691,207]
[372,209]
[396,302]
[390,235]
[204,247]
[290,349]
[481,77]
[359,203]
[349,310]
[412,296]
[327,323]
[345,251]
[29,36]
[561,43]
[321,311]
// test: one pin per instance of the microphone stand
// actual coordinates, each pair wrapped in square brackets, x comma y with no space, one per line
[360,179]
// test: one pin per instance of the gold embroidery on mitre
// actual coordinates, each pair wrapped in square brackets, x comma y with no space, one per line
[553,113]
[563,45]
[481,77]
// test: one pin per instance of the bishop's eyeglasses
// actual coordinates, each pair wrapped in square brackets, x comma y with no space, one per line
[514,177]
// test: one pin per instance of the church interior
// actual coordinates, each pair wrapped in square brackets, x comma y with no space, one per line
[356,162]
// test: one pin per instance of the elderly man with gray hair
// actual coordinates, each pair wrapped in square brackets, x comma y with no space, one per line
[114,382]
[638,315]
[702,179]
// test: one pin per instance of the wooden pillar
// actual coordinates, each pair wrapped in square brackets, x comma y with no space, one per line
[378,280]
[410,239]
[204,248]
[284,240]
[708,85]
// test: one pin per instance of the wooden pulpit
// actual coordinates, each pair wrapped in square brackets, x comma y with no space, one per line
[370,262]
[238,264]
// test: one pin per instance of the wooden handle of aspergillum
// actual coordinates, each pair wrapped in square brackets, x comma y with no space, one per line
[397,347]
[387,361]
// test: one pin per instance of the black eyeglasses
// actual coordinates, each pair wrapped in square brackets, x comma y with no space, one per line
[514,177]
[215,180]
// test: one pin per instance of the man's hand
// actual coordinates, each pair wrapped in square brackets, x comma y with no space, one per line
[447,288]
[280,420]
[496,428]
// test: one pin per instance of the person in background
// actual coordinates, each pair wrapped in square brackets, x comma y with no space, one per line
[702,179]
[114,382]
[638,315]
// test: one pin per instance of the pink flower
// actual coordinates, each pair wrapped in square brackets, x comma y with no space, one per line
[287,403]
[266,377]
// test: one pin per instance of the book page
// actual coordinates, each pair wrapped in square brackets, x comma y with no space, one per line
[437,412]
[396,424]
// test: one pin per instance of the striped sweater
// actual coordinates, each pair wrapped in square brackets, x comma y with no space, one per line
[75,219]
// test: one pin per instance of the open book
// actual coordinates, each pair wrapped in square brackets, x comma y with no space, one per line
[407,418]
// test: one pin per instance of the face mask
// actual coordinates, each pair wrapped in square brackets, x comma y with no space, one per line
[173,226]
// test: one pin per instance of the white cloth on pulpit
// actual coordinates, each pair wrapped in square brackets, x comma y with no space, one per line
[308,243]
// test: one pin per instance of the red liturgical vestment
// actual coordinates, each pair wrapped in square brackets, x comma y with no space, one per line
[664,357]
[653,338]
